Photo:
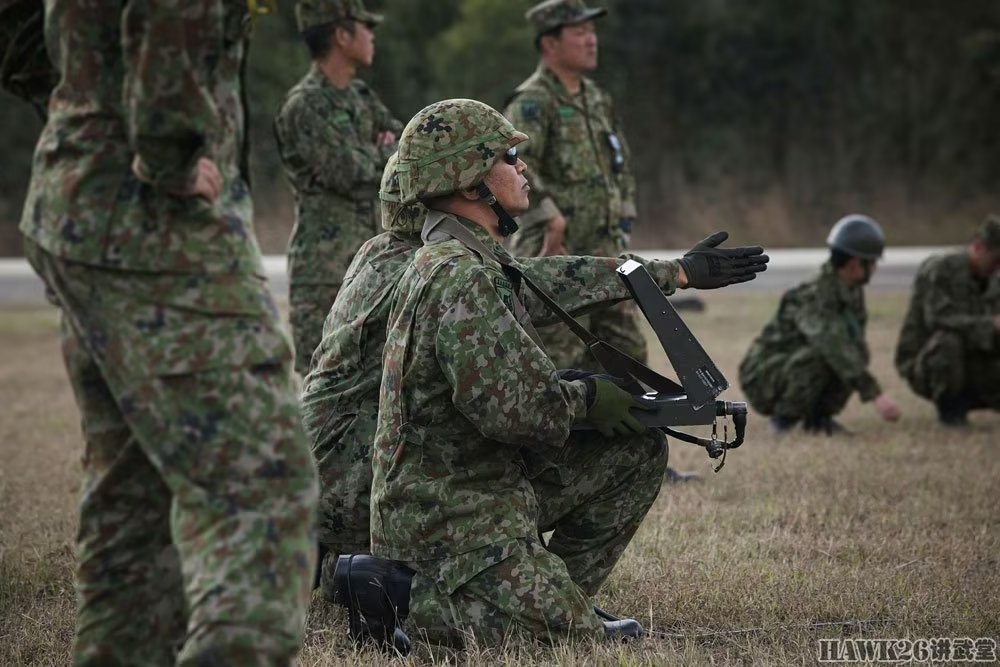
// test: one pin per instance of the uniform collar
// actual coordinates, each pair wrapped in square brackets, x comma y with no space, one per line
[549,78]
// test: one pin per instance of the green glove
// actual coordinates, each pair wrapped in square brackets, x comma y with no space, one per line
[609,411]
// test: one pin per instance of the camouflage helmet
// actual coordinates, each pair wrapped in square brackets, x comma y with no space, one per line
[858,236]
[989,232]
[312,13]
[450,146]
[398,217]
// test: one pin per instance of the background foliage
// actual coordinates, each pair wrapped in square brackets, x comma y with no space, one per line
[770,118]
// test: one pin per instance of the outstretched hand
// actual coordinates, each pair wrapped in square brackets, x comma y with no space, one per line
[707,266]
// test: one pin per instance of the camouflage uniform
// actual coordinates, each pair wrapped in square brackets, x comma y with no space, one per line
[25,69]
[474,456]
[575,170]
[199,493]
[340,397]
[812,356]
[949,344]
[326,139]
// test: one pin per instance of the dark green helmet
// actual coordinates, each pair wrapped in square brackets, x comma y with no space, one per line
[858,236]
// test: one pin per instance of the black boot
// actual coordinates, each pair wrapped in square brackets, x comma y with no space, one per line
[619,628]
[376,593]
[953,411]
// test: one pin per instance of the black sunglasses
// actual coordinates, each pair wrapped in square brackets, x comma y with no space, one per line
[510,157]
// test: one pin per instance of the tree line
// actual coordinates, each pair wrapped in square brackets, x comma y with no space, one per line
[769,118]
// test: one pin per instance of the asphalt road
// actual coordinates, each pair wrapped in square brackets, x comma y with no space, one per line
[19,286]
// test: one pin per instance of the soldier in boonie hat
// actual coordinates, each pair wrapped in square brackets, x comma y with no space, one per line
[313,13]
[553,14]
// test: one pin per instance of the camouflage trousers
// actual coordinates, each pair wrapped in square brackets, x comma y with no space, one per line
[945,368]
[593,494]
[800,385]
[308,306]
[616,325]
[196,541]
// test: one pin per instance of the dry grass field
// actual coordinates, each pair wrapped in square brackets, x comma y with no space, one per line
[892,533]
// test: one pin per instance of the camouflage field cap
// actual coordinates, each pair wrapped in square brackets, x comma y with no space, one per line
[553,14]
[450,146]
[858,236]
[989,232]
[311,13]
[396,216]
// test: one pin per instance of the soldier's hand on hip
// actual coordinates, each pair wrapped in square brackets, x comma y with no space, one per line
[707,266]
[386,138]
[207,181]
[996,322]
[887,408]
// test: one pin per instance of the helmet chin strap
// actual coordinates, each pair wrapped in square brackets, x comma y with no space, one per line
[506,224]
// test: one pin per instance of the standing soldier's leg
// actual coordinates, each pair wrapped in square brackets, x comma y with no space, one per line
[199,369]
[131,598]
[308,306]
[496,593]
[593,495]
[619,326]
[566,350]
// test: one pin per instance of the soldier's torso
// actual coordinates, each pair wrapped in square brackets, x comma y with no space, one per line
[582,170]
[440,487]
[819,300]
[85,205]
[944,277]
[329,225]
[344,383]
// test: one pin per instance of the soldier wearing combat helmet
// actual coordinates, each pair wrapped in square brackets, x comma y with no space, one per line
[474,453]
[334,136]
[949,348]
[579,167]
[812,356]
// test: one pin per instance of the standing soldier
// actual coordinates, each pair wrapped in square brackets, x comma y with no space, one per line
[813,355]
[578,167]
[334,136]
[199,492]
[949,349]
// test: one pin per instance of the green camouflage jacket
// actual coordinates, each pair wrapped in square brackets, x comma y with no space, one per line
[140,91]
[948,297]
[571,163]
[326,138]
[464,389]
[827,316]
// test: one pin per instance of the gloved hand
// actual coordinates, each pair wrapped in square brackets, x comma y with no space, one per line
[708,266]
[609,409]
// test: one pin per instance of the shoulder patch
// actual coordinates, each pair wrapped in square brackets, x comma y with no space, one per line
[505,290]
[529,110]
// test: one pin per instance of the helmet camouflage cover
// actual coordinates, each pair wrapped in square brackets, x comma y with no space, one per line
[450,146]
[858,236]
[398,217]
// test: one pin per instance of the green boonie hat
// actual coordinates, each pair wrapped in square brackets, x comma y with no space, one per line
[553,14]
[311,13]
[396,216]
[989,232]
[450,146]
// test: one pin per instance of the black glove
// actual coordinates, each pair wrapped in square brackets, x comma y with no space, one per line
[709,267]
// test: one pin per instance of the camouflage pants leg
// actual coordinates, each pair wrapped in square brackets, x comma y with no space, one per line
[308,306]
[140,568]
[944,367]
[341,443]
[807,387]
[594,498]
[616,325]
[193,432]
[519,589]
